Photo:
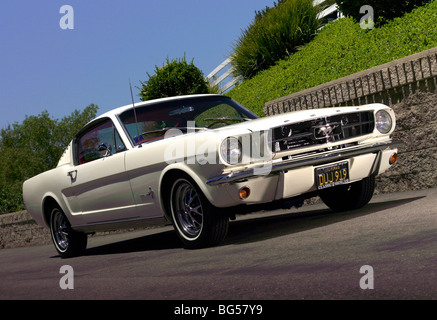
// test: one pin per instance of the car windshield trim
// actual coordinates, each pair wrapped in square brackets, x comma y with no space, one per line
[227,118]
[193,112]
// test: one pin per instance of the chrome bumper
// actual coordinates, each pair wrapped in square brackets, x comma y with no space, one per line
[313,160]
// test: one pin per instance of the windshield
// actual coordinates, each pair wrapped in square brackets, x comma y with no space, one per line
[150,122]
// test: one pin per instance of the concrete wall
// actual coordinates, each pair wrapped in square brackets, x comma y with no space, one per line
[408,85]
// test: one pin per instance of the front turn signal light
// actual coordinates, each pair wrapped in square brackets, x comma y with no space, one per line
[393,158]
[244,193]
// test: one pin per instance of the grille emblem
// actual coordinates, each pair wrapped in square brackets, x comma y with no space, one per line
[327,131]
[286,131]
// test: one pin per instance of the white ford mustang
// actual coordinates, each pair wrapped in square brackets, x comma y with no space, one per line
[197,161]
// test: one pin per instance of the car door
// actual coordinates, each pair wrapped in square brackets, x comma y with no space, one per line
[100,187]
[144,166]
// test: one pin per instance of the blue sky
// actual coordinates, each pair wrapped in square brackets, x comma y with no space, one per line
[43,67]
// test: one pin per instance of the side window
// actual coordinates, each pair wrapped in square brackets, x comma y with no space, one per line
[97,142]
[119,145]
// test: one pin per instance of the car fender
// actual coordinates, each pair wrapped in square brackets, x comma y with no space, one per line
[50,196]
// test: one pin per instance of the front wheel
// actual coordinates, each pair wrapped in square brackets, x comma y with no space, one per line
[197,222]
[68,242]
[349,196]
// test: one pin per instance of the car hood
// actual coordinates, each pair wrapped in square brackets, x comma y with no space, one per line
[270,122]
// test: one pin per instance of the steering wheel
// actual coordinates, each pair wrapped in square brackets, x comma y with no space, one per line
[218,121]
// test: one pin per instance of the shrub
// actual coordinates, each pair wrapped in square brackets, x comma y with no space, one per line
[274,34]
[383,10]
[340,49]
[174,78]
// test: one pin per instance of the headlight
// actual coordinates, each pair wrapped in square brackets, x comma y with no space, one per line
[231,150]
[384,121]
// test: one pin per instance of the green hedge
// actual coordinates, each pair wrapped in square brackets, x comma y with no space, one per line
[340,49]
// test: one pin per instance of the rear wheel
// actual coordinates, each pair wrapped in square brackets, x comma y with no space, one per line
[68,243]
[349,196]
[197,222]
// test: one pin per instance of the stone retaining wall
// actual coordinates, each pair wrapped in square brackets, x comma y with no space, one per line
[19,229]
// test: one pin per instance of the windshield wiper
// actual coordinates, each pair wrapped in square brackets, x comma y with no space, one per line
[226,119]
[168,128]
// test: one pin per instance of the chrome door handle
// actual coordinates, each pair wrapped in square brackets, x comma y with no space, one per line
[72,174]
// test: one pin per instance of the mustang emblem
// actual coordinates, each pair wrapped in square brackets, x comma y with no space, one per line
[326,131]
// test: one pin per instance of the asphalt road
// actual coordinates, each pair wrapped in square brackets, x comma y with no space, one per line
[309,253]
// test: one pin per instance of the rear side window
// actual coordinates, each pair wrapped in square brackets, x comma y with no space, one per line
[99,141]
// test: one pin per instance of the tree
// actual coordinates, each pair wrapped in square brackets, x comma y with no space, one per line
[32,147]
[174,78]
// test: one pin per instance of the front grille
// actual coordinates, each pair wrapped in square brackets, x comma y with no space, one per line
[322,130]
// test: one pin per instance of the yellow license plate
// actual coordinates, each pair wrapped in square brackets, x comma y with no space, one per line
[332,175]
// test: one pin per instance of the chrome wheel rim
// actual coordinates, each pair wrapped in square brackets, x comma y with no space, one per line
[187,209]
[60,230]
